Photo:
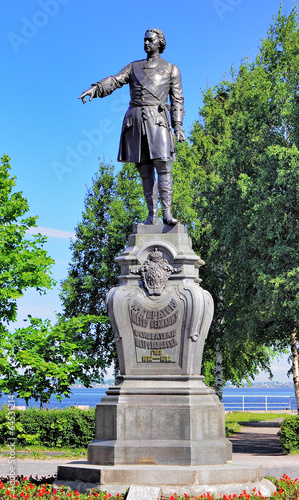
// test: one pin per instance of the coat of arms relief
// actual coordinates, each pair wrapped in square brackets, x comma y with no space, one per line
[155,272]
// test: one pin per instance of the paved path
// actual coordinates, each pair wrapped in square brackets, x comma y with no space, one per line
[256,443]
[28,466]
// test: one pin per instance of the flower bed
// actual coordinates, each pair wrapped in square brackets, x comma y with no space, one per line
[34,488]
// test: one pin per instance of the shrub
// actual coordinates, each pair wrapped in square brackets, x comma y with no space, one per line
[69,428]
[289,434]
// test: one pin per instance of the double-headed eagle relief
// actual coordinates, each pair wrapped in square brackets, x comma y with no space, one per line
[155,272]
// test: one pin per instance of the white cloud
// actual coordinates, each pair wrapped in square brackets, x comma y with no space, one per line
[51,233]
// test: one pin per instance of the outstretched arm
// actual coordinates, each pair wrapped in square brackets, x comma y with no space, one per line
[107,85]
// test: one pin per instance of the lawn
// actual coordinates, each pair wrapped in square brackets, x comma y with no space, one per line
[234,420]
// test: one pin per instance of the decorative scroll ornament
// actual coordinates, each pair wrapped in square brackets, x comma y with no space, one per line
[155,272]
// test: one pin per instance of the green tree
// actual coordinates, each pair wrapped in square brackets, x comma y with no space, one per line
[251,125]
[23,262]
[46,360]
[199,185]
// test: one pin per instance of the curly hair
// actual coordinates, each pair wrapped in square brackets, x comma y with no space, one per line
[161,37]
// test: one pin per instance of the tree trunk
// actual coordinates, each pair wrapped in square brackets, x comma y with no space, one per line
[219,373]
[295,366]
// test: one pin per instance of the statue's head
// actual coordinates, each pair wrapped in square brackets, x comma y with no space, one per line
[161,37]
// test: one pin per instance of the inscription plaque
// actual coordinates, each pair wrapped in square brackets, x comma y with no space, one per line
[155,331]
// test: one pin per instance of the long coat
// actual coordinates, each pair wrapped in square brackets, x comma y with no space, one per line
[151,82]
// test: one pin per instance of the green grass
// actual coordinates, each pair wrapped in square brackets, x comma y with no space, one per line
[234,420]
[42,452]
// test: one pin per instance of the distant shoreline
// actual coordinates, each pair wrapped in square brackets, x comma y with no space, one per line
[256,396]
[263,385]
[255,385]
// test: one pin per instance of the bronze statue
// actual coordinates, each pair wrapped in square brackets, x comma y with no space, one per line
[146,136]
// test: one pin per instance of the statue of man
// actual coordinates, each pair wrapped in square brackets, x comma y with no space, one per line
[146,136]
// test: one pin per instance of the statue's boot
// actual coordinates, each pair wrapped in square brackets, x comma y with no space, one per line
[150,192]
[165,191]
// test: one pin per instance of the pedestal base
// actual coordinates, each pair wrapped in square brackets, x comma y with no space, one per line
[225,479]
[160,420]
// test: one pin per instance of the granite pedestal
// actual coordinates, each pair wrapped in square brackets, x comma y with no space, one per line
[160,425]
[165,420]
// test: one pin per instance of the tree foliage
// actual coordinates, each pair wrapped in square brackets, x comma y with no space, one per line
[46,360]
[249,127]
[23,262]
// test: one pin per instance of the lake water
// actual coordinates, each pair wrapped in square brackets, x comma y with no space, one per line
[248,398]
[263,398]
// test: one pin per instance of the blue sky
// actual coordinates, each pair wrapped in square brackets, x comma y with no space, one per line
[52,50]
